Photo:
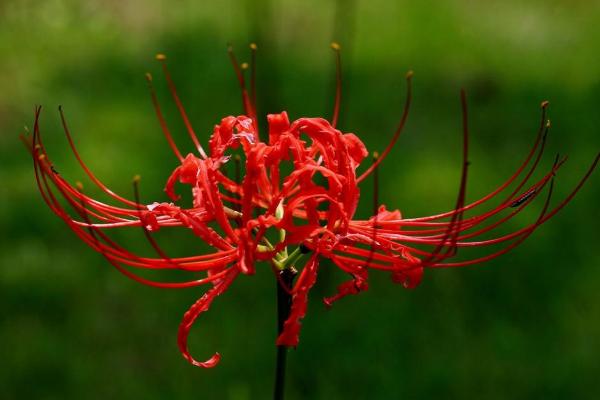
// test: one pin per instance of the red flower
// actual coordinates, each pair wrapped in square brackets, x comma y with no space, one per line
[268,215]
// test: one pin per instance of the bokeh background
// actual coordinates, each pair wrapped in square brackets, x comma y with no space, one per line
[526,325]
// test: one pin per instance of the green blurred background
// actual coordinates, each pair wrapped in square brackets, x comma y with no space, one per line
[526,325]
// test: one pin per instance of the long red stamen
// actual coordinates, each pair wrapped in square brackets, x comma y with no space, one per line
[112,252]
[540,137]
[457,216]
[161,119]
[525,234]
[153,243]
[375,209]
[253,49]
[92,240]
[248,108]
[88,172]
[575,190]
[162,58]
[398,131]
[338,83]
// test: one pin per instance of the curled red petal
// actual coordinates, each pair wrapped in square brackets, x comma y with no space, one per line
[291,327]
[389,217]
[245,253]
[192,314]
[221,136]
[409,276]
[189,169]
[170,186]
[278,123]
[356,148]
[358,284]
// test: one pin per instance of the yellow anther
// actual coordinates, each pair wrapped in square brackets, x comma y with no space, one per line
[161,57]
[253,46]
[335,46]
[409,74]
[244,65]
[148,76]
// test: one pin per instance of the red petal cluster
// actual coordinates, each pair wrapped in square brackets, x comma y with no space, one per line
[299,190]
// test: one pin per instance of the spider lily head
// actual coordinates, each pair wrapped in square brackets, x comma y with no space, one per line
[290,203]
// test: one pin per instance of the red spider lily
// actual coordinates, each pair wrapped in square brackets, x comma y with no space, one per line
[280,218]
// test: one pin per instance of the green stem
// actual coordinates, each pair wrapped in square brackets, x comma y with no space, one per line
[284,304]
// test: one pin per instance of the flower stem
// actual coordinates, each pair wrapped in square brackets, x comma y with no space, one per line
[284,304]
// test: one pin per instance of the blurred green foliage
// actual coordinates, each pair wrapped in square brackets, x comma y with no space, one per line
[526,325]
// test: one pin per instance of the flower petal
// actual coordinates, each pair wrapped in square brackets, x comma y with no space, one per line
[291,327]
[192,314]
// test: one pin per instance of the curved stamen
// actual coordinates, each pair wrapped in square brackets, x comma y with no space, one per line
[457,217]
[338,83]
[107,251]
[253,49]
[375,209]
[248,108]
[574,191]
[540,137]
[88,172]
[398,131]
[161,119]
[162,59]
[525,234]
[153,243]
[113,252]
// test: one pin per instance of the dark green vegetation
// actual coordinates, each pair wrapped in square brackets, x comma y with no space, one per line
[526,325]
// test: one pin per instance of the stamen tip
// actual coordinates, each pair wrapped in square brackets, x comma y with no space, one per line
[244,65]
[409,74]
[60,107]
[79,186]
[375,155]
[148,76]
[545,104]
[253,46]
[136,179]
[335,46]
[548,124]
[237,158]
[160,57]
